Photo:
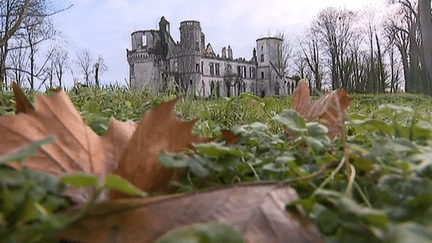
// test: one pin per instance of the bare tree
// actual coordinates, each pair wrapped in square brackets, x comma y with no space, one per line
[281,55]
[17,62]
[37,30]
[426,33]
[394,64]
[9,26]
[301,68]
[99,68]
[24,20]
[57,58]
[59,62]
[404,27]
[84,62]
[12,13]
[334,27]
[310,50]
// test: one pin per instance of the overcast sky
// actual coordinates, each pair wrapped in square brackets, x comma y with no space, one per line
[104,26]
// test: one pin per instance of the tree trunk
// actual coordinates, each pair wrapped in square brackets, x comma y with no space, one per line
[4,52]
[97,76]
[426,33]
[32,64]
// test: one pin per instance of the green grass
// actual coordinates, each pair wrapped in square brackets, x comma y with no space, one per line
[375,185]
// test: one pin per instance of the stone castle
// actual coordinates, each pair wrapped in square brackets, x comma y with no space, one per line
[158,62]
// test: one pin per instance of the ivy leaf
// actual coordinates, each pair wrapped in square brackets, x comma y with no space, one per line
[410,192]
[117,183]
[80,180]
[292,121]
[170,160]
[412,233]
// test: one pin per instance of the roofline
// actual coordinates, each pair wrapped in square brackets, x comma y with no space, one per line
[270,38]
[136,31]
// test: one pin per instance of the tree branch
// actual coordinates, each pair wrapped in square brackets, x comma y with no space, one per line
[12,31]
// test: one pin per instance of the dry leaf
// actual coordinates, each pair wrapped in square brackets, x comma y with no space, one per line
[258,209]
[230,137]
[79,149]
[329,109]
[159,130]
[22,104]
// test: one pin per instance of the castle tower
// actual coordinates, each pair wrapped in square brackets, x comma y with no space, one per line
[189,56]
[268,51]
[143,71]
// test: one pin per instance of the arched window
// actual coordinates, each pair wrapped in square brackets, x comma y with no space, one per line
[277,87]
[228,89]
[212,88]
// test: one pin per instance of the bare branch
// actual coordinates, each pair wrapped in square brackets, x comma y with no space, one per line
[17,24]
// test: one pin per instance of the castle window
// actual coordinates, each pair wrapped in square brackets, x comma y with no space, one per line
[277,87]
[244,71]
[228,68]
[197,67]
[217,67]
[202,67]
[197,46]
[262,58]
[132,70]
[212,88]
[144,40]
[238,71]
[212,69]
[252,72]
[262,75]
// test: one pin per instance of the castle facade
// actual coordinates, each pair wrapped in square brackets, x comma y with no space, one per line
[158,62]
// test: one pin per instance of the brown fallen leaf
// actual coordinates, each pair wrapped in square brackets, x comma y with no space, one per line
[22,104]
[258,209]
[79,149]
[159,130]
[329,109]
[230,137]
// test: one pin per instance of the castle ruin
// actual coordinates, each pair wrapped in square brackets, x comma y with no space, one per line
[157,62]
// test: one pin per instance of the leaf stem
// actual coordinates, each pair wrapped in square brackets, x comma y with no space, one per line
[351,179]
[252,168]
[332,175]
[88,205]
[362,195]
[313,176]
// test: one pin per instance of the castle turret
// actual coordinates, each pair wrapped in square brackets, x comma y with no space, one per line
[268,52]
[189,57]
[230,53]
[164,25]
[142,70]
[138,39]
